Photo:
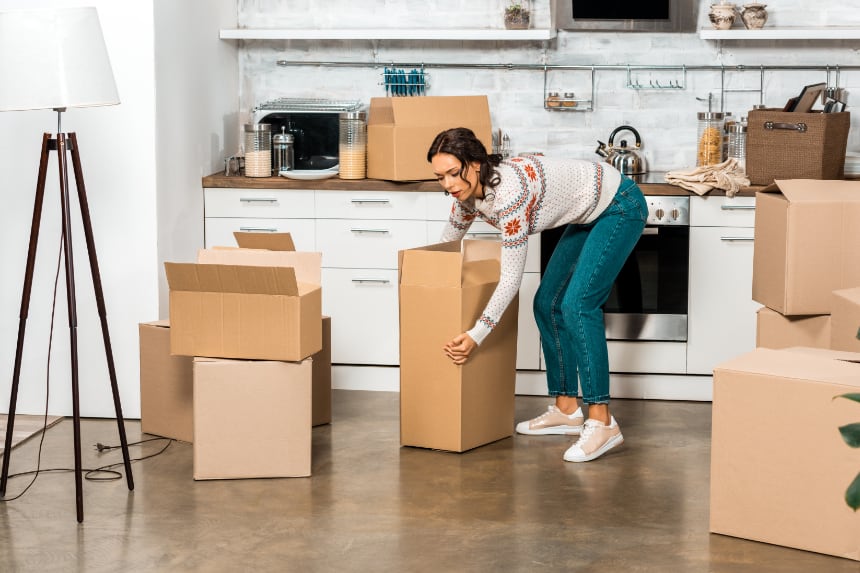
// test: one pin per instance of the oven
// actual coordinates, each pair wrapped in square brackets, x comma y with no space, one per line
[649,298]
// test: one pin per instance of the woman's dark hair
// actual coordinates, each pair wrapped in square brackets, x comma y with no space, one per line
[462,143]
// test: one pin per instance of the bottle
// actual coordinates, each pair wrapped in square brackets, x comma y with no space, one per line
[258,150]
[352,145]
[738,142]
[282,151]
[568,100]
[710,138]
[552,100]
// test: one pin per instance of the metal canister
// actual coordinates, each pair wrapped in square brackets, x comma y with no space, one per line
[282,152]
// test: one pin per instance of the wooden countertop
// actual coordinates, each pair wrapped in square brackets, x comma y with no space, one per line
[652,185]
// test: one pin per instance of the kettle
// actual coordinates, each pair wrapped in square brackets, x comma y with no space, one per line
[629,161]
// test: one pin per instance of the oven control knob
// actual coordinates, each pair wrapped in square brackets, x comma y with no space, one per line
[659,214]
[675,214]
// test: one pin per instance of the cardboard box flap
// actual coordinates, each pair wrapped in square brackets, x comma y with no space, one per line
[816,190]
[268,241]
[476,250]
[796,364]
[157,323]
[307,265]
[231,279]
[480,272]
[381,112]
[430,267]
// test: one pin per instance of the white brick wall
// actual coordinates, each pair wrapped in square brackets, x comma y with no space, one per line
[666,119]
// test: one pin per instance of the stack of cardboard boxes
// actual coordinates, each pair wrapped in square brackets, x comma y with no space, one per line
[779,466]
[244,369]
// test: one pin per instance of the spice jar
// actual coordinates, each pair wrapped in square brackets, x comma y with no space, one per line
[258,150]
[352,145]
[282,151]
[738,142]
[568,100]
[710,138]
[552,100]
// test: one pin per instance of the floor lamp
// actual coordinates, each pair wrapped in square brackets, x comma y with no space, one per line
[56,59]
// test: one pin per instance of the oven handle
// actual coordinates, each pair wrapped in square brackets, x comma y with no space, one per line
[651,231]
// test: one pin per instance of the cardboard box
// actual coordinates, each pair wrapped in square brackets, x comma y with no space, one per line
[774,330]
[246,303]
[779,466]
[790,145]
[845,325]
[443,291]
[166,397]
[252,418]
[401,129]
[806,238]
[321,403]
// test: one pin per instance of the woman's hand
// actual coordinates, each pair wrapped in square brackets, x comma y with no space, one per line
[459,348]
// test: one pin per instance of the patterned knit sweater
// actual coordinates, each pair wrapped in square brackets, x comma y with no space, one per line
[535,193]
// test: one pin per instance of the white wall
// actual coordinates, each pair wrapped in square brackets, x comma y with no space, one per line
[665,119]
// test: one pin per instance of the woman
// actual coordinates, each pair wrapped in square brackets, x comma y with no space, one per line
[604,213]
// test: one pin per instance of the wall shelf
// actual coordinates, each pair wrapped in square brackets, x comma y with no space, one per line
[465,34]
[787,33]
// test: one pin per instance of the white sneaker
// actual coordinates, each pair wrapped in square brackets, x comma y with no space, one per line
[596,439]
[553,421]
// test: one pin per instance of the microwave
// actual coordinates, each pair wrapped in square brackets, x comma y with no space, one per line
[623,16]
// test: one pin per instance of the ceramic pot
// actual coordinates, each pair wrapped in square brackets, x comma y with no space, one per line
[722,16]
[754,16]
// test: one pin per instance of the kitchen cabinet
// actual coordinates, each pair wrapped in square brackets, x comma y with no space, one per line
[722,314]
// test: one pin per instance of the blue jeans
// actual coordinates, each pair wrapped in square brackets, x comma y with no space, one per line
[575,285]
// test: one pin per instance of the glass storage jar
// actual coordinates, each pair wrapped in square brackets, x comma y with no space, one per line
[709,140]
[738,141]
[258,150]
[352,145]
[282,151]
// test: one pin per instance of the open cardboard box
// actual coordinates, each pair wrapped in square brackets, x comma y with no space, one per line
[246,303]
[845,320]
[779,466]
[443,290]
[401,129]
[807,244]
[166,385]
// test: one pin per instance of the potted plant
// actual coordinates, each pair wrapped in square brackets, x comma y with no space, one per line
[517,14]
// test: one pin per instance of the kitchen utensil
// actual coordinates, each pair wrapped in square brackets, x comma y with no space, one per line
[629,161]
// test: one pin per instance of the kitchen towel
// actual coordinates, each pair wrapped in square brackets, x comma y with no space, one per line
[728,176]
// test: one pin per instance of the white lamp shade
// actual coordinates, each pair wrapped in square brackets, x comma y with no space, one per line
[53,59]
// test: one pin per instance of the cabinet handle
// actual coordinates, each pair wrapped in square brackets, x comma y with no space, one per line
[750,239]
[737,207]
[258,229]
[484,234]
[375,201]
[376,281]
[257,200]
[376,231]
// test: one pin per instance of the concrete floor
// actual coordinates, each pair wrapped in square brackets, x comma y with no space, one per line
[373,506]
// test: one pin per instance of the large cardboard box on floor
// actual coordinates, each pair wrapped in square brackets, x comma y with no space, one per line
[321,391]
[443,291]
[779,466]
[246,303]
[807,234]
[401,129]
[166,397]
[845,325]
[775,330]
[252,418]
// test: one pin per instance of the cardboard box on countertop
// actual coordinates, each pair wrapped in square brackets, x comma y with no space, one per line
[807,234]
[252,418]
[779,466]
[401,129]
[246,303]
[166,384]
[443,291]
[775,330]
[845,323]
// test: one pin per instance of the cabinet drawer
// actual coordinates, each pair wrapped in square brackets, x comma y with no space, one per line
[370,205]
[718,211]
[483,230]
[219,231]
[269,203]
[364,311]
[369,244]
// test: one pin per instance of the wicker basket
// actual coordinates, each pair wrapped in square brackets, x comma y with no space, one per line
[788,145]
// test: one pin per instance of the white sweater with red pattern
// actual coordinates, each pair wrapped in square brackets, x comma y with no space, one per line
[535,193]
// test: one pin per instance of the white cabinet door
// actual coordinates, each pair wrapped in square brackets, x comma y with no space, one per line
[370,205]
[259,203]
[219,231]
[722,314]
[366,243]
[528,337]
[363,305]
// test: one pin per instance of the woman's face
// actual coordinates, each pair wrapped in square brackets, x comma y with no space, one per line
[446,167]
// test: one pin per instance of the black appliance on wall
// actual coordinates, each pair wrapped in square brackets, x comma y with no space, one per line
[649,299]
[623,16]
[313,123]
